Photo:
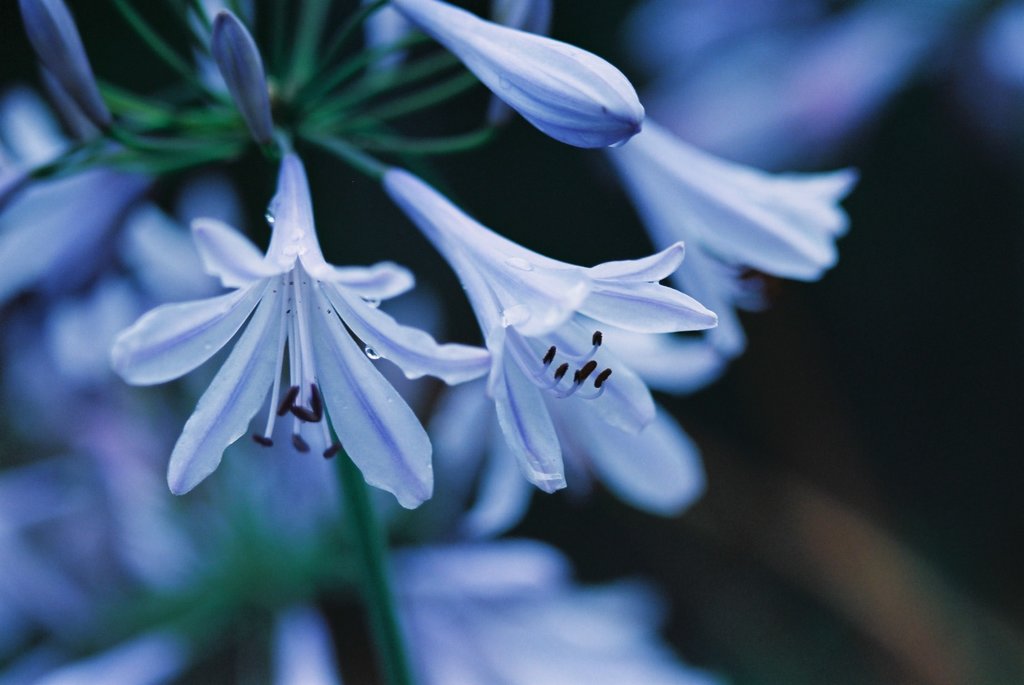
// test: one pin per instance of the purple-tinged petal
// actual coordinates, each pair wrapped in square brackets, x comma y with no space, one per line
[171,340]
[30,132]
[528,428]
[658,470]
[378,430]
[650,269]
[11,182]
[229,255]
[236,393]
[568,93]
[412,350]
[239,62]
[503,497]
[385,27]
[669,363]
[646,308]
[532,16]
[291,213]
[55,39]
[380,281]
[303,651]
[782,225]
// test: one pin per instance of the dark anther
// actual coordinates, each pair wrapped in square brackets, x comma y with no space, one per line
[561,371]
[315,402]
[550,356]
[300,444]
[266,442]
[288,401]
[602,377]
[597,339]
[585,372]
[332,450]
[303,414]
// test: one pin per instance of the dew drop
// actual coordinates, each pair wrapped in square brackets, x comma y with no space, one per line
[519,263]
[371,302]
[269,217]
[515,315]
[371,353]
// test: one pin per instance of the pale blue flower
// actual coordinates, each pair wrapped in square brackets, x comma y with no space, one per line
[544,321]
[151,659]
[240,64]
[509,612]
[295,297]
[385,27]
[568,93]
[532,16]
[303,650]
[732,217]
[54,36]
[54,233]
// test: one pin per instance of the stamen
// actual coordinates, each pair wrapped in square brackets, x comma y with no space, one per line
[550,356]
[585,372]
[300,444]
[263,440]
[597,339]
[315,402]
[303,414]
[289,400]
[602,377]
[561,371]
[332,450]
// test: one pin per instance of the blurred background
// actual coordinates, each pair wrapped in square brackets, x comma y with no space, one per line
[862,522]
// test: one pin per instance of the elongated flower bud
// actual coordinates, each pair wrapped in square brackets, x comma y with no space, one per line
[54,36]
[533,16]
[239,62]
[568,93]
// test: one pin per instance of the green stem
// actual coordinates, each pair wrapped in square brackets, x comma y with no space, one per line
[441,145]
[312,18]
[351,155]
[379,597]
[158,45]
[422,99]
[348,29]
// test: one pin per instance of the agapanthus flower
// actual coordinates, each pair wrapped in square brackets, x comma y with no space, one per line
[54,36]
[568,93]
[545,322]
[297,300]
[240,64]
[53,233]
[732,217]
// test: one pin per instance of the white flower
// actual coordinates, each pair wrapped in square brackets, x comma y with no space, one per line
[570,94]
[543,318]
[295,297]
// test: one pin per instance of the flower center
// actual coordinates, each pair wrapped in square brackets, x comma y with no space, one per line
[556,383]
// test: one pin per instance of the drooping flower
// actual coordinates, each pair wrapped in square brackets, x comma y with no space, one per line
[54,36]
[732,217]
[544,322]
[570,94]
[240,64]
[299,301]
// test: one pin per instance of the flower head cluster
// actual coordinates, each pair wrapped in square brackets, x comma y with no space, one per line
[298,302]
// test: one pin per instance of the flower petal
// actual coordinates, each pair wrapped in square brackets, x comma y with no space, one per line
[303,650]
[503,497]
[650,269]
[568,93]
[378,430]
[229,255]
[380,281]
[669,363]
[658,470]
[413,350]
[236,393]
[240,64]
[528,428]
[171,340]
[646,308]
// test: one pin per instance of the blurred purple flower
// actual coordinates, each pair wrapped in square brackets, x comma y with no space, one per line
[239,61]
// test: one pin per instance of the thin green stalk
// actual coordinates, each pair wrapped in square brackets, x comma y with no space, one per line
[422,99]
[312,19]
[158,45]
[377,591]
[441,145]
[348,29]
[351,155]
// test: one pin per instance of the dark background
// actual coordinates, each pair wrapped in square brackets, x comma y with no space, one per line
[863,520]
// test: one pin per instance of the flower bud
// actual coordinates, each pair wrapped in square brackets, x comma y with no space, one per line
[239,62]
[54,37]
[568,93]
[533,16]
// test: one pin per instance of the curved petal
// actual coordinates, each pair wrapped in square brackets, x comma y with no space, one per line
[503,496]
[303,650]
[229,255]
[646,308]
[380,281]
[528,428]
[658,470]
[378,430]
[413,350]
[669,363]
[650,269]
[171,340]
[236,393]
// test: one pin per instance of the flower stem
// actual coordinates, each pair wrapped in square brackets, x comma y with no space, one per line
[441,145]
[377,590]
[362,162]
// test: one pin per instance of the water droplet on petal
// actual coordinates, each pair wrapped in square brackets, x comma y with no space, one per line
[514,315]
[519,263]
[269,217]
[371,302]
[371,353]
[298,235]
